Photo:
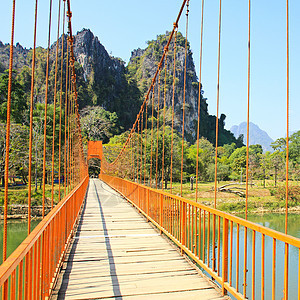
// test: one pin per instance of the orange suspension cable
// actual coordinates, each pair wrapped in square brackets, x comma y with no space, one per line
[71,136]
[66,108]
[46,109]
[218,97]
[72,133]
[287,118]
[131,147]
[133,154]
[155,75]
[60,103]
[184,92]
[138,152]
[152,119]
[199,100]
[247,158]
[142,118]
[11,52]
[54,107]
[145,150]
[158,96]
[69,127]
[73,142]
[28,270]
[68,124]
[31,120]
[173,96]
[164,119]
[216,154]
[248,115]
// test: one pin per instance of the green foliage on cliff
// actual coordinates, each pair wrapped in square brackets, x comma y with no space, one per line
[142,67]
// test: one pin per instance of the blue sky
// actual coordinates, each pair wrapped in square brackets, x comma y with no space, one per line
[122,26]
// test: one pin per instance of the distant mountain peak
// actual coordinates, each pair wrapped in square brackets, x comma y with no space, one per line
[256,135]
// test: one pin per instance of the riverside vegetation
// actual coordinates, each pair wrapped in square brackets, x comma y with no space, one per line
[110,94]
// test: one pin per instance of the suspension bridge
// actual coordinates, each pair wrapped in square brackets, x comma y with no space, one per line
[123,235]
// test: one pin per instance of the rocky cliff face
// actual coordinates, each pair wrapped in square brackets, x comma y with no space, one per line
[105,81]
[20,56]
[97,65]
[101,79]
[142,66]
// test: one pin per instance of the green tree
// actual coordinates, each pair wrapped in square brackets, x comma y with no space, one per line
[18,156]
[18,101]
[98,124]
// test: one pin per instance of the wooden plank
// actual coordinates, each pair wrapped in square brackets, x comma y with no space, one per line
[116,254]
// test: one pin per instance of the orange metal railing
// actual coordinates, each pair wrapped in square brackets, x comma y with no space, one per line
[29,272]
[221,253]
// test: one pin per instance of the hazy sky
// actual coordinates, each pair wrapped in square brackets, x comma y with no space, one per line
[122,26]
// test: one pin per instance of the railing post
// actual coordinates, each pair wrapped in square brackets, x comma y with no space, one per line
[286,272]
[183,223]
[147,207]
[5,290]
[225,255]
[138,188]
[161,211]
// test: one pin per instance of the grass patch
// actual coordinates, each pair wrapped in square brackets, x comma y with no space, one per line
[266,198]
[19,195]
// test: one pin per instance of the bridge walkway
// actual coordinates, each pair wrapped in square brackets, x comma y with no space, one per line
[116,254]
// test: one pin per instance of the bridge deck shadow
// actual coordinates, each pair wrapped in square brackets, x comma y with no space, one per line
[116,254]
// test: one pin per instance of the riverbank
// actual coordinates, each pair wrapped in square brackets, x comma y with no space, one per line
[261,199]
[19,211]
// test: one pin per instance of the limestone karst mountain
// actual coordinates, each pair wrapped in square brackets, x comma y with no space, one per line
[106,81]
[257,135]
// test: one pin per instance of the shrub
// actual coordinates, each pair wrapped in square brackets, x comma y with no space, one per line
[272,191]
[293,194]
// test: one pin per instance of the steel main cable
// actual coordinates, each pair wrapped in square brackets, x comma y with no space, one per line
[72,59]
[154,77]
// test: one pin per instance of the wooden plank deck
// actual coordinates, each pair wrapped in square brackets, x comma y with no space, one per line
[116,254]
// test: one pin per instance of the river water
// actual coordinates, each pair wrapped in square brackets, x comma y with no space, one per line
[17,232]
[277,222]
